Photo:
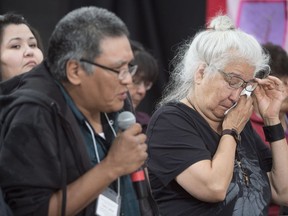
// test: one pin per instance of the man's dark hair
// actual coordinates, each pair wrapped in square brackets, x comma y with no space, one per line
[78,35]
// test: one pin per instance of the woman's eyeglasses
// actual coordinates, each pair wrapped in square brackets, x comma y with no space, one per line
[236,82]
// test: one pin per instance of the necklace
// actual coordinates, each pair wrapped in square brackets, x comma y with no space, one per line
[189,101]
[245,175]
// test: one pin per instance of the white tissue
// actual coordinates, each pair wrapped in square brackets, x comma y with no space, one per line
[225,113]
[245,92]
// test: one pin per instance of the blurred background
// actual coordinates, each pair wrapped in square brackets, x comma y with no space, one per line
[161,25]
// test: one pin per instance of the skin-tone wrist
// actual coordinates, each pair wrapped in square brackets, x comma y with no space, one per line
[113,172]
[271,121]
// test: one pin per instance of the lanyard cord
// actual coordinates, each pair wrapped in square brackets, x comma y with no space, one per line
[94,141]
[114,133]
[96,149]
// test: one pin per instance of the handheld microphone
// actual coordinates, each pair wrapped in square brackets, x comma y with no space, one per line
[125,120]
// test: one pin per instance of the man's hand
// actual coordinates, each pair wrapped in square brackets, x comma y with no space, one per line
[128,151]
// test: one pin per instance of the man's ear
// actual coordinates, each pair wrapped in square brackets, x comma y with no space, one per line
[199,74]
[73,72]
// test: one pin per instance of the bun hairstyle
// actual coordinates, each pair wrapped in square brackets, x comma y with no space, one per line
[221,23]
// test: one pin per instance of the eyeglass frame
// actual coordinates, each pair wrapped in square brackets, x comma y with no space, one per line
[229,75]
[124,72]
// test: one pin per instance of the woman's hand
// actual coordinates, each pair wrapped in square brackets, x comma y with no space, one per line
[269,96]
[239,115]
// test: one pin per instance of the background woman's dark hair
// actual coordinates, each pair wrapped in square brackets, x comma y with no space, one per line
[278,59]
[147,64]
[38,38]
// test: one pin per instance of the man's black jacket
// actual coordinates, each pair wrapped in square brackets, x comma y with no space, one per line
[41,147]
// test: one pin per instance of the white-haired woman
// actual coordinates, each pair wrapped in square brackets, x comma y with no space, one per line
[204,156]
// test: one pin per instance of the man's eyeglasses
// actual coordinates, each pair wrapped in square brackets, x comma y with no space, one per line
[147,85]
[237,82]
[122,74]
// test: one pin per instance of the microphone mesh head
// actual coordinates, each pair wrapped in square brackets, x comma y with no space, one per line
[125,120]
